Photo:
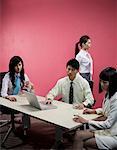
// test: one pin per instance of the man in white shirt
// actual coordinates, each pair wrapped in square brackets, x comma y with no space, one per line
[81,92]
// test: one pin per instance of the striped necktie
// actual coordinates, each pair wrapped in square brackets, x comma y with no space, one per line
[17,85]
[71,93]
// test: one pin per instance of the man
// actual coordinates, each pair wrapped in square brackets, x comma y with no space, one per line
[73,88]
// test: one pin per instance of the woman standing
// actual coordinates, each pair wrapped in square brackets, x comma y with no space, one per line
[84,58]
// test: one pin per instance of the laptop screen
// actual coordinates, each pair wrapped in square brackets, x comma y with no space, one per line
[40,104]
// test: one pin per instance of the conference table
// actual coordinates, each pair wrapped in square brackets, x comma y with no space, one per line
[61,117]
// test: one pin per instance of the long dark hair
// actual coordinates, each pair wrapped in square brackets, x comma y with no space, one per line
[109,74]
[82,40]
[13,62]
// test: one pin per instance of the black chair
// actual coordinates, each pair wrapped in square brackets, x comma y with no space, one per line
[91,83]
[4,110]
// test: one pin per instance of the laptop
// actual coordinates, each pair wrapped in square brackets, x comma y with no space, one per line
[38,103]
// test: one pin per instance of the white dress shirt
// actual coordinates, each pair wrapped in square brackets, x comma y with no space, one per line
[82,91]
[7,87]
[85,62]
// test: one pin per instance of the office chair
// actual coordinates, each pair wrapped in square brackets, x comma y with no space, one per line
[2,109]
[5,110]
[91,83]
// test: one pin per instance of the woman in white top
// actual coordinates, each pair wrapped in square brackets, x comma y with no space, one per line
[84,58]
[15,80]
[102,134]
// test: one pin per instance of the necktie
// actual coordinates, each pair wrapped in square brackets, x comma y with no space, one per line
[17,85]
[71,93]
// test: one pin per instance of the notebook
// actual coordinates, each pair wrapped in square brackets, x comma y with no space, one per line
[38,103]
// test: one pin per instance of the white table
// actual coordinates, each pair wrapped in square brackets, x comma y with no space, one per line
[61,117]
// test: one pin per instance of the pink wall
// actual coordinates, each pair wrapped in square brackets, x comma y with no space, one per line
[44,32]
